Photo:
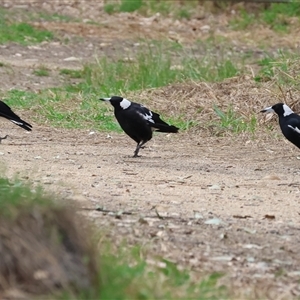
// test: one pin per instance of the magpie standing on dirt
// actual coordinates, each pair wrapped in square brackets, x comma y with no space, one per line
[138,121]
[6,112]
[289,122]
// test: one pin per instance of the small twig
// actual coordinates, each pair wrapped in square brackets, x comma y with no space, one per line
[158,215]
[252,72]
[117,213]
[283,95]
[286,74]
[291,96]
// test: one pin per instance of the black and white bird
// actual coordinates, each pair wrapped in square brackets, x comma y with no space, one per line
[6,112]
[138,121]
[289,122]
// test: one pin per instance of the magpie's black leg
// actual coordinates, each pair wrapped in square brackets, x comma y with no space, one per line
[138,147]
[3,138]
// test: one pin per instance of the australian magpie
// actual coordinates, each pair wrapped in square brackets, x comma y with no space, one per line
[6,112]
[138,121]
[289,122]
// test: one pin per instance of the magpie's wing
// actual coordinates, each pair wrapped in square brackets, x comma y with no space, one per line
[153,119]
[6,112]
[294,124]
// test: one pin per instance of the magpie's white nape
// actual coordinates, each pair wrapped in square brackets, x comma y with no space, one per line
[137,121]
[289,122]
[6,112]
[279,108]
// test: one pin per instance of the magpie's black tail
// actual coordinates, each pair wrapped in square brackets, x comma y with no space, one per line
[22,124]
[160,125]
[6,112]
[166,128]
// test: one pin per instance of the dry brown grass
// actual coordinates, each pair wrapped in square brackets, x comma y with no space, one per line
[196,100]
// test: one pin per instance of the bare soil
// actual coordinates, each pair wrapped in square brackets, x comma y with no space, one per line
[226,204]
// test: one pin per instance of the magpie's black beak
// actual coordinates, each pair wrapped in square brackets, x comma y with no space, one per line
[267,110]
[104,99]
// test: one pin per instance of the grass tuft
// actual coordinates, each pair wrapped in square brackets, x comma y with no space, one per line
[282,69]
[130,5]
[42,72]
[277,17]
[152,68]
[232,121]
[60,108]
[16,196]
[71,73]
[22,33]
[131,276]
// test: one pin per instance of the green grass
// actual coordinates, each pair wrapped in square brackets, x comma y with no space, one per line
[183,13]
[16,15]
[282,68]
[178,10]
[22,33]
[130,277]
[110,8]
[12,30]
[16,196]
[234,122]
[60,108]
[153,68]
[130,5]
[42,72]
[277,17]
[71,73]
[243,21]
[76,105]
[278,14]
[53,17]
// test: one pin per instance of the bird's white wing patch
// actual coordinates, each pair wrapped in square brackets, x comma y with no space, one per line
[147,117]
[295,128]
[125,103]
[16,122]
[286,111]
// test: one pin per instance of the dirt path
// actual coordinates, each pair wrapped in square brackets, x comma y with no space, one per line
[223,205]
[221,175]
